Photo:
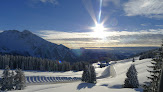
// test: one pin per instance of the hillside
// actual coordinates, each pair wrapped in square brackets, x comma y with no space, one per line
[28,44]
[108,83]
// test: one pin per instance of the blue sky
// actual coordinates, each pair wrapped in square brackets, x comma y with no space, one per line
[68,22]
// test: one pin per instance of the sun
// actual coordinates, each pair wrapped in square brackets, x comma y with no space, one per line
[99,31]
[99,28]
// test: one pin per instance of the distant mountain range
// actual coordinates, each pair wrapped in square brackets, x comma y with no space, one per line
[28,44]
[110,53]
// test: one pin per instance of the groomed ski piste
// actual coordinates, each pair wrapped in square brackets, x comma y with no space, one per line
[109,79]
[38,80]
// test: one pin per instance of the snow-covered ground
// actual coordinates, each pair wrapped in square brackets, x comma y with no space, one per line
[106,83]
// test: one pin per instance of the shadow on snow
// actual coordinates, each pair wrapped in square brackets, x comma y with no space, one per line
[138,89]
[106,85]
[116,86]
[85,85]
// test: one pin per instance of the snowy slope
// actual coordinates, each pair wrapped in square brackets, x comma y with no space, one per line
[121,68]
[29,44]
[106,84]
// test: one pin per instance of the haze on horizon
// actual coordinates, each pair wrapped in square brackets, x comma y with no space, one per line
[73,23]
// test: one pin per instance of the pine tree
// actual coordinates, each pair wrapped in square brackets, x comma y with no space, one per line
[12,79]
[131,81]
[155,72]
[19,79]
[93,74]
[7,81]
[85,74]
[89,74]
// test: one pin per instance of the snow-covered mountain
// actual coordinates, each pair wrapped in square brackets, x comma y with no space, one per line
[28,44]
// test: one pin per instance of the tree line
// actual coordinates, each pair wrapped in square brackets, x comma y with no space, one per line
[34,63]
[149,54]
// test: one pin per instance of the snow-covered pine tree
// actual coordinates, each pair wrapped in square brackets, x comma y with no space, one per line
[7,81]
[93,74]
[89,74]
[160,88]
[85,74]
[12,79]
[155,72]
[19,79]
[131,81]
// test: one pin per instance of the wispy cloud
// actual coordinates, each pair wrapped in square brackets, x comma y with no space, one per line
[159,25]
[151,37]
[49,1]
[148,8]
[145,24]
[37,3]
[109,2]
